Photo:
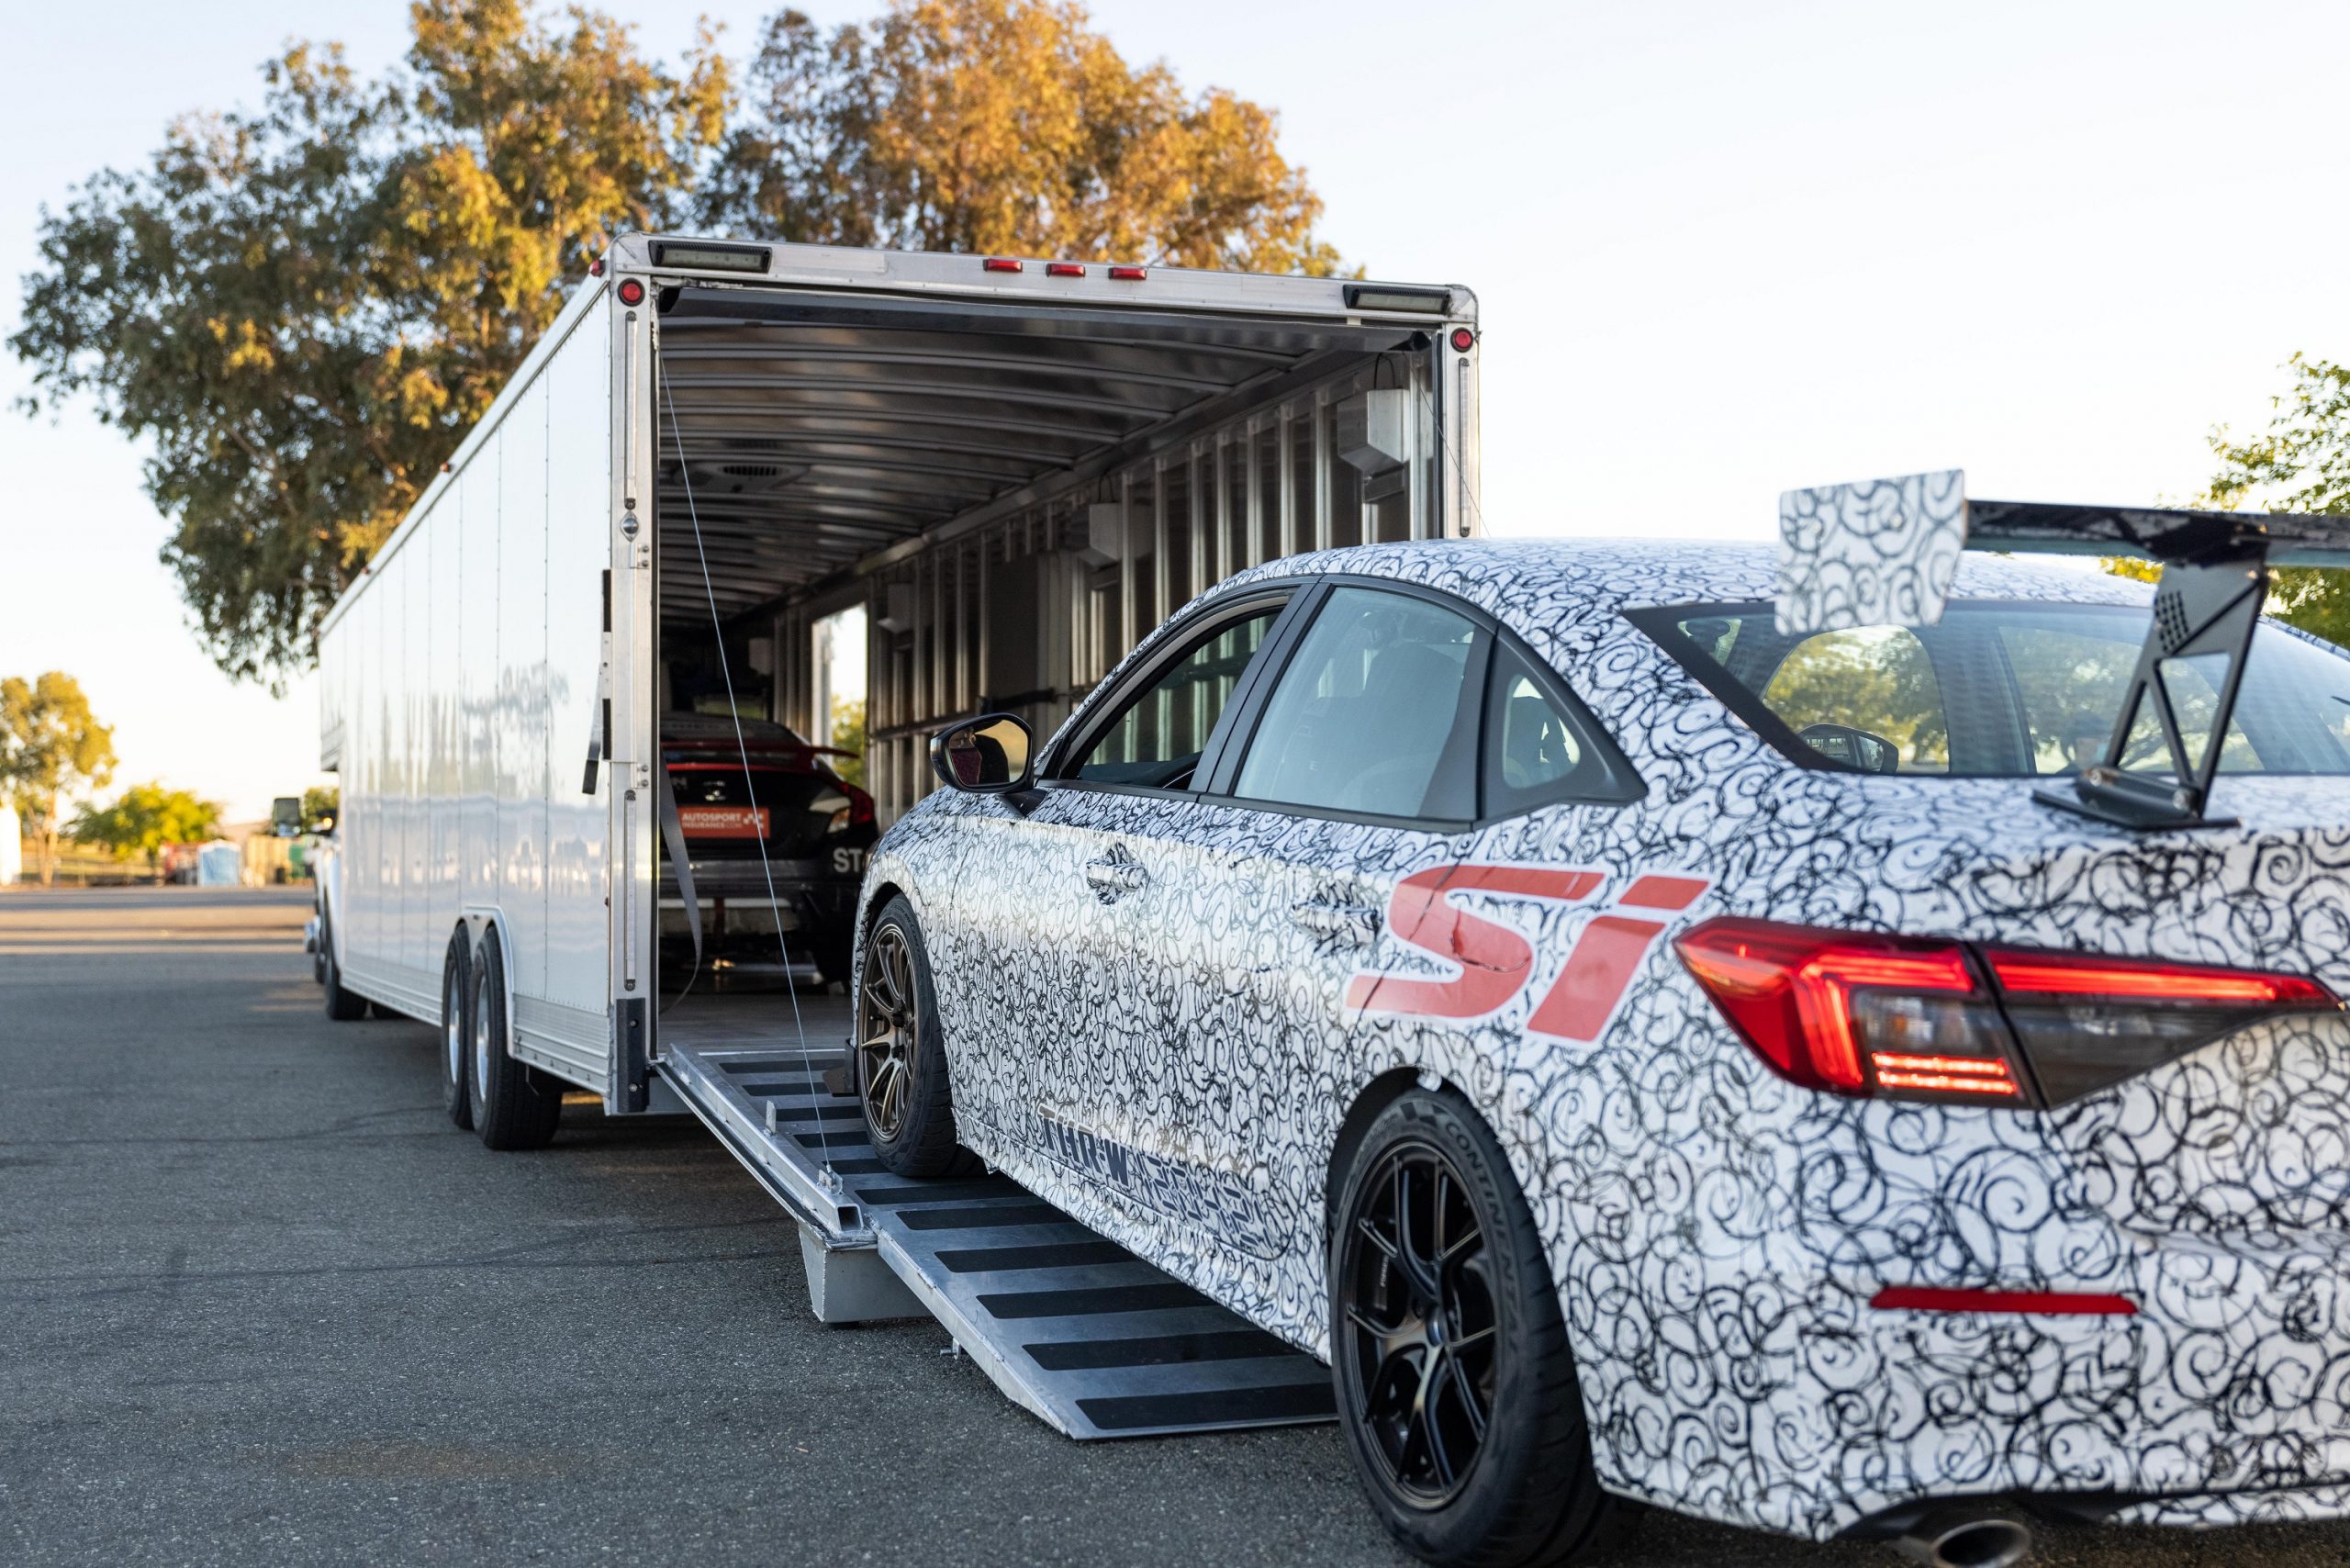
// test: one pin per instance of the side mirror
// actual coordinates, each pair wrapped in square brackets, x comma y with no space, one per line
[1854,748]
[986,755]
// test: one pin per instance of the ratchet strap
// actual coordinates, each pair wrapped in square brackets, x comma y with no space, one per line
[673,837]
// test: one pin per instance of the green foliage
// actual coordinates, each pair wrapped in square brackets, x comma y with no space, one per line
[301,309]
[849,734]
[321,807]
[142,820]
[2300,464]
[52,746]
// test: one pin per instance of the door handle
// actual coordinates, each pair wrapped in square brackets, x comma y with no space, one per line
[1116,875]
[1343,924]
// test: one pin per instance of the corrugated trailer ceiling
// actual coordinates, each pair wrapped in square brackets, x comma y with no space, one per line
[814,432]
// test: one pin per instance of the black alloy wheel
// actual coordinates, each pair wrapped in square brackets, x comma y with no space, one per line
[1456,1393]
[1420,1321]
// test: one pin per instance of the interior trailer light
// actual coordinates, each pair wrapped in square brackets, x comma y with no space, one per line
[1380,296]
[710,258]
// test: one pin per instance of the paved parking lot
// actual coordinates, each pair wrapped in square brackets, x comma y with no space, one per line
[263,1304]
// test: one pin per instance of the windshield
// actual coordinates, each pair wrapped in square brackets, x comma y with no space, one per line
[2003,689]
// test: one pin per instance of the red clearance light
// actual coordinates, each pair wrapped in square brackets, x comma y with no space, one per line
[2085,975]
[1128,274]
[632,291]
[2038,1304]
[596,267]
[1063,269]
[1463,340]
[1000,264]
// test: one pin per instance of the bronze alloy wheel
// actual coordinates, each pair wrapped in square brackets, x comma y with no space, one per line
[1418,1362]
[889,1026]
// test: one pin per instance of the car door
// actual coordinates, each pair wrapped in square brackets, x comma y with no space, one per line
[1082,1003]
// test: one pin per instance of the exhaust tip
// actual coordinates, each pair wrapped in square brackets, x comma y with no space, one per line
[1965,1538]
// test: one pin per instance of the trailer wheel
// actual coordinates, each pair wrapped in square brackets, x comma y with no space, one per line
[514,1106]
[1455,1386]
[901,1060]
[456,994]
[344,1006]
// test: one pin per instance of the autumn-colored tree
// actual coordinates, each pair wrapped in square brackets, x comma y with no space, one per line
[321,808]
[142,820]
[51,747]
[1006,126]
[303,308]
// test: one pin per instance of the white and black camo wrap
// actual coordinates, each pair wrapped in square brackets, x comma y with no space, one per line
[1879,553]
[1715,1234]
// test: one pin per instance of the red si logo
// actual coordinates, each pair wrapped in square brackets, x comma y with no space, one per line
[1493,963]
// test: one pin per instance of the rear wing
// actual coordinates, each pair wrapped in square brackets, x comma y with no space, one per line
[1885,552]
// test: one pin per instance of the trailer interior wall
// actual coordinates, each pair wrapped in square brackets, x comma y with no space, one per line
[1016,496]
[458,689]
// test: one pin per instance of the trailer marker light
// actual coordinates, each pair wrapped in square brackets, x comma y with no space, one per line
[1000,264]
[596,267]
[1128,274]
[1463,340]
[2036,1304]
[631,292]
[1063,269]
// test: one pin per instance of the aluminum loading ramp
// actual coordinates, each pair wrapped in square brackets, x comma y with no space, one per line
[1071,1325]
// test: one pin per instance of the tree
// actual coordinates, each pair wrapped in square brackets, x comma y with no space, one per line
[321,807]
[303,310]
[1005,126]
[848,735]
[51,747]
[142,820]
[2300,462]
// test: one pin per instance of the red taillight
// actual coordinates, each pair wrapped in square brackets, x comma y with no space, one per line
[632,291]
[860,806]
[1063,269]
[1463,340]
[1001,265]
[1128,274]
[2088,975]
[1850,1011]
[1857,1013]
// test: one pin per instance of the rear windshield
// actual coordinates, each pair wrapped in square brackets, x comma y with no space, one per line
[2002,688]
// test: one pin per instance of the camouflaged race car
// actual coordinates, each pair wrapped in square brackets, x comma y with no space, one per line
[1785,1037]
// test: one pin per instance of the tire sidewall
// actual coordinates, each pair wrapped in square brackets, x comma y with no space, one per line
[926,1091]
[1505,1466]
[456,1009]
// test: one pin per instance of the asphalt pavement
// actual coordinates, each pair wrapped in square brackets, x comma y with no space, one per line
[263,1304]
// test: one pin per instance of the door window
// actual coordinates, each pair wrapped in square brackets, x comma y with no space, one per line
[1155,739]
[1375,713]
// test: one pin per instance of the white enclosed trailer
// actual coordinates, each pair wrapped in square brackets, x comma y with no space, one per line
[1016,467]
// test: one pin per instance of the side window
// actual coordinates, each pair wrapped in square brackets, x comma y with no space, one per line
[1156,737]
[1867,696]
[1376,712]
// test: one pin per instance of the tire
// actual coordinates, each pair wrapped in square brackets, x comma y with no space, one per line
[344,1006]
[1525,1492]
[514,1106]
[900,1060]
[456,1032]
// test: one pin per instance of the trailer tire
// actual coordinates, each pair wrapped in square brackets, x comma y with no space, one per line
[514,1106]
[456,1001]
[343,1006]
[1435,1258]
[899,1059]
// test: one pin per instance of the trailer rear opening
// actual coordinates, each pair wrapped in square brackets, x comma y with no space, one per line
[588,828]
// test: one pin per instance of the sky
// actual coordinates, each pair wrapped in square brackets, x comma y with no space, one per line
[1721,250]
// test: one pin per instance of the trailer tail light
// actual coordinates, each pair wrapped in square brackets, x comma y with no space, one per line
[1463,340]
[1862,1013]
[631,291]
[1063,269]
[1853,1013]
[2087,1020]
[1000,264]
[1128,274]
